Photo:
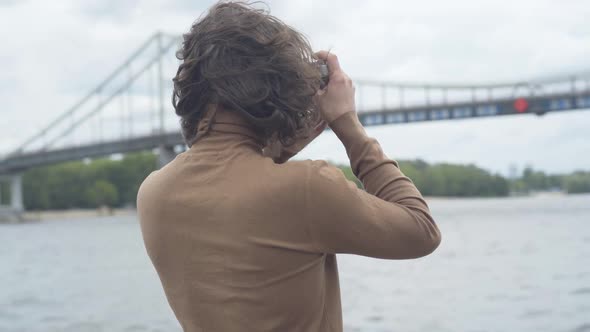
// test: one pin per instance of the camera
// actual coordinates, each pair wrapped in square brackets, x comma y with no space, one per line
[324,73]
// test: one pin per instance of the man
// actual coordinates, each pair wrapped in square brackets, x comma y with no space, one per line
[241,239]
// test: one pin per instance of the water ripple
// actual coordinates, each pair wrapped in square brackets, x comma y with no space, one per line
[535,313]
[582,328]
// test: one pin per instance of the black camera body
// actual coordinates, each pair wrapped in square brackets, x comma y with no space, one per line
[324,73]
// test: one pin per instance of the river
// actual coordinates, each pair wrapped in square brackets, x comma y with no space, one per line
[510,264]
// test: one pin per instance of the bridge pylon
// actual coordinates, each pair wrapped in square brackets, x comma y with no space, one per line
[166,154]
[12,212]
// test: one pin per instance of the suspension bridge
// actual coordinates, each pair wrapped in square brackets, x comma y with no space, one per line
[128,111]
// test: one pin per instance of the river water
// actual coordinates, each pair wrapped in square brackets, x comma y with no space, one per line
[513,264]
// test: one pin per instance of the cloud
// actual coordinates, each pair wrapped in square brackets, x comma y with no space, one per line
[8,3]
[110,10]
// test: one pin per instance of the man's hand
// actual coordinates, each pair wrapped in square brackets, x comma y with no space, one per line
[281,154]
[337,98]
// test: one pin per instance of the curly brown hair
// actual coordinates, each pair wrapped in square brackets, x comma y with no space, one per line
[250,62]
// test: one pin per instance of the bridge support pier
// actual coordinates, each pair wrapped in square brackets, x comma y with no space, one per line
[14,211]
[165,155]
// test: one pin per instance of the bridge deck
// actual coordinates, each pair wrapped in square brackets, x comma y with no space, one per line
[453,111]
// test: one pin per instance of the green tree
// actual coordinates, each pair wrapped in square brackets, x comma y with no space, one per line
[414,171]
[576,183]
[538,180]
[66,185]
[36,192]
[350,175]
[4,193]
[136,167]
[102,193]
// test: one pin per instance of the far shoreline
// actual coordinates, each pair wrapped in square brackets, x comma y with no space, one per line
[47,215]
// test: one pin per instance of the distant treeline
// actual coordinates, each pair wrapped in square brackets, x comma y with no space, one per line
[448,179]
[531,180]
[114,182]
[101,182]
[457,180]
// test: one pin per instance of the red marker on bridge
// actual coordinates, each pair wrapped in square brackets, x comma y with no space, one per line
[521,105]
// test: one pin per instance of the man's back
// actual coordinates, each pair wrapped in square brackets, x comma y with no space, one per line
[243,244]
[226,233]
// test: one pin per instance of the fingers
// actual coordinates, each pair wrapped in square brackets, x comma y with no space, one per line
[318,130]
[320,123]
[331,59]
[321,126]
[319,93]
[322,54]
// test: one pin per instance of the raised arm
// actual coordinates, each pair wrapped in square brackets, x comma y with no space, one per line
[388,220]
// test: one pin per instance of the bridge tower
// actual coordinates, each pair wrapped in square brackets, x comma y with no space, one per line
[14,210]
[166,154]
[124,113]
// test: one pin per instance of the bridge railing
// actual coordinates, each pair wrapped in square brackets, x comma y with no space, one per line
[134,99]
[382,95]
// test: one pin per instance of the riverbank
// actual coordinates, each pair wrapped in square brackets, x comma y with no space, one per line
[76,214]
[105,212]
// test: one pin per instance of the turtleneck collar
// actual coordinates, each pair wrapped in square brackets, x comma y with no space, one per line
[218,122]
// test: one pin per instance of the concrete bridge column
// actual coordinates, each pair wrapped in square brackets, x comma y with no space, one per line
[16,193]
[14,210]
[165,155]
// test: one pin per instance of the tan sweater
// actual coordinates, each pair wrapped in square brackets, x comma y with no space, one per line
[243,244]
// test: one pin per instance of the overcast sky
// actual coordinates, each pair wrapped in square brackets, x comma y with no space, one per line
[53,52]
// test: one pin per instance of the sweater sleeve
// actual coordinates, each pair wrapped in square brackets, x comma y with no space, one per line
[389,219]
